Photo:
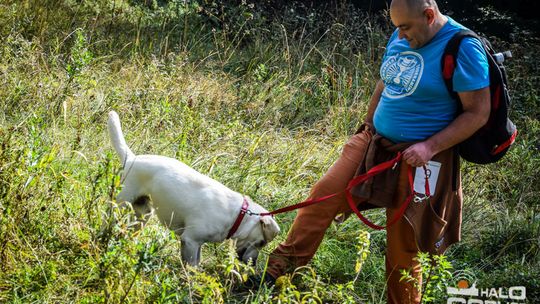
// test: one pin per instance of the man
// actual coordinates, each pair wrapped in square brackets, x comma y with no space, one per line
[410,111]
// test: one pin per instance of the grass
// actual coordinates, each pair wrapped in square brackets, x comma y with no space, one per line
[261,104]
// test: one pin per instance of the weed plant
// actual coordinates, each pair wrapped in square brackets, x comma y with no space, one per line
[259,100]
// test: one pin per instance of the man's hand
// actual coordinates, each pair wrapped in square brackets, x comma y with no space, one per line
[418,154]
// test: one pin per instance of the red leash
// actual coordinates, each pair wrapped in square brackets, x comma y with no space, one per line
[354,182]
[359,180]
[398,215]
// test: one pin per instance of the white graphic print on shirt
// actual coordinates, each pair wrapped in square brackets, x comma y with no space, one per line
[401,74]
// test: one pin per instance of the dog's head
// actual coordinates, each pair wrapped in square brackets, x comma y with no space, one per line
[261,234]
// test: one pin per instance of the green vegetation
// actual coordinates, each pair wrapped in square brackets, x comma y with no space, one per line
[258,100]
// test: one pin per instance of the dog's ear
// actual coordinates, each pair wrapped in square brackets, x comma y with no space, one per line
[269,227]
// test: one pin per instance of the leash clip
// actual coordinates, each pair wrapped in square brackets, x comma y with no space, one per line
[250,213]
[419,199]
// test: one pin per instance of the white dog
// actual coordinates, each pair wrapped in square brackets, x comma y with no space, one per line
[196,207]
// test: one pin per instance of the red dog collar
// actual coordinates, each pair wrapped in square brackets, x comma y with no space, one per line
[239,219]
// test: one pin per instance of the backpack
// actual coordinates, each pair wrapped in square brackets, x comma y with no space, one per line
[491,142]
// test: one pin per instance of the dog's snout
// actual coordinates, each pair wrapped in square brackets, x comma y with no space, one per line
[248,254]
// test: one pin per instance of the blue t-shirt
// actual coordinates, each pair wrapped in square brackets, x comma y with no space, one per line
[415,103]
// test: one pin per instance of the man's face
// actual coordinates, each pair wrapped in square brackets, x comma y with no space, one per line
[413,26]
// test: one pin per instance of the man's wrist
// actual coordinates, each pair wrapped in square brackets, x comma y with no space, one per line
[432,146]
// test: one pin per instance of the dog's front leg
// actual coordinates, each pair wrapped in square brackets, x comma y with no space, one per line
[191,252]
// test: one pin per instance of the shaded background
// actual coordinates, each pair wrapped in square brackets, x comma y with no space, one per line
[501,18]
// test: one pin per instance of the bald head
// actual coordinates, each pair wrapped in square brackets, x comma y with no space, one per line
[417,20]
[414,6]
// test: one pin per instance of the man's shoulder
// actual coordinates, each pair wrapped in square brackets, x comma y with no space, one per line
[468,44]
[453,25]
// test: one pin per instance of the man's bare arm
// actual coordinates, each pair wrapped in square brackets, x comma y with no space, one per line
[476,109]
[375,97]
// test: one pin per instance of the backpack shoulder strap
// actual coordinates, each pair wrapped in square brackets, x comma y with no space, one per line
[449,58]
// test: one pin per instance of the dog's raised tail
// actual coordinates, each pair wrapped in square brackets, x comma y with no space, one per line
[117,138]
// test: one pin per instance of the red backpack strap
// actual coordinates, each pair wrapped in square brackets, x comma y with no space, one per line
[449,59]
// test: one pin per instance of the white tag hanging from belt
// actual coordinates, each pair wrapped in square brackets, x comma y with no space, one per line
[432,171]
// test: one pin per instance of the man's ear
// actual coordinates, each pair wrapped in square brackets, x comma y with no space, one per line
[429,13]
[269,227]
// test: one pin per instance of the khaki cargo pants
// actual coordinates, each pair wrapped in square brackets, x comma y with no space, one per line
[311,222]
